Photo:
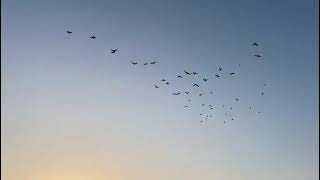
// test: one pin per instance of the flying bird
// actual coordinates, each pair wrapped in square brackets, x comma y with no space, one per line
[262,93]
[217,75]
[257,55]
[194,73]
[232,73]
[167,83]
[145,64]
[134,63]
[211,108]
[202,105]
[69,32]
[163,80]
[211,92]
[153,62]
[220,68]
[114,50]
[255,44]
[237,99]
[156,86]
[187,72]
[196,85]
[205,79]
[92,37]
[186,106]
[200,114]
[176,93]
[187,92]
[200,94]
[179,76]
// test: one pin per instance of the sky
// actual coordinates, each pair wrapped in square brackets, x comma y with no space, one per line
[71,110]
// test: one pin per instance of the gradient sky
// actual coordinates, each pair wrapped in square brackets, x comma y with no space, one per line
[73,111]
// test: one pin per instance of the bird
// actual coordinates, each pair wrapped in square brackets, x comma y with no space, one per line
[211,92]
[255,44]
[224,122]
[154,62]
[187,92]
[257,55]
[186,106]
[69,32]
[194,73]
[220,68]
[145,64]
[196,85]
[179,76]
[202,105]
[232,73]
[205,79]
[217,75]
[176,93]
[134,63]
[187,72]
[237,99]
[211,108]
[114,50]
[167,83]
[200,94]
[232,119]
[92,37]
[156,86]
[163,80]
[201,114]
[262,93]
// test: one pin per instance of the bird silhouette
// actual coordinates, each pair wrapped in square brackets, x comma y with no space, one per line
[187,92]
[202,105]
[237,99]
[211,108]
[167,83]
[145,64]
[211,92]
[163,80]
[217,75]
[196,85]
[179,76]
[69,32]
[201,114]
[186,106]
[205,79]
[257,55]
[200,94]
[194,73]
[220,69]
[176,93]
[255,44]
[154,62]
[232,73]
[187,72]
[92,37]
[134,63]
[156,86]
[262,93]
[114,50]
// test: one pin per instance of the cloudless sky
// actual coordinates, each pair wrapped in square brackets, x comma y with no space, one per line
[71,110]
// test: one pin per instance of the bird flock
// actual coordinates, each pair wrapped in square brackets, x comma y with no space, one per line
[194,76]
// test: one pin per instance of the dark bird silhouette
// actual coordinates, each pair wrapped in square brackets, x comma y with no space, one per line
[154,62]
[134,63]
[202,105]
[163,80]
[205,79]
[211,92]
[262,93]
[217,75]
[179,76]
[196,85]
[186,106]
[200,94]
[69,32]
[145,64]
[187,92]
[257,55]
[194,73]
[187,72]
[255,44]
[232,73]
[224,122]
[237,99]
[211,108]
[200,114]
[114,50]
[156,86]
[176,93]
[232,119]
[220,68]
[92,37]
[167,83]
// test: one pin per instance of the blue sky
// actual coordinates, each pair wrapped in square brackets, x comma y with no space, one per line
[71,110]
